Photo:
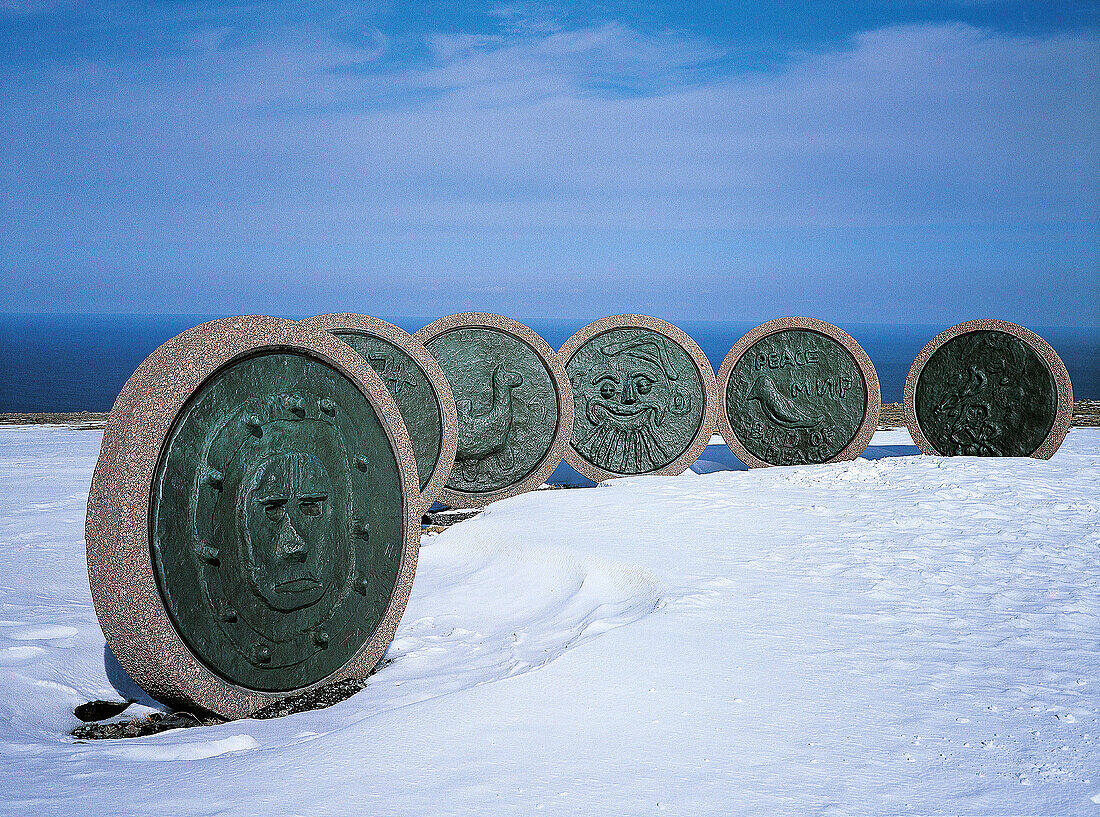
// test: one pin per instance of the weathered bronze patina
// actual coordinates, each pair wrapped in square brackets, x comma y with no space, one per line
[512,402]
[798,391]
[988,389]
[644,397]
[269,492]
[416,383]
[253,520]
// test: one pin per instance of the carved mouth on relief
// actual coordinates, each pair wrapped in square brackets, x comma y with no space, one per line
[299,584]
[618,415]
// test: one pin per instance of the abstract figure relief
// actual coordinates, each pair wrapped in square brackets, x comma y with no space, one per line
[795,395]
[253,519]
[639,401]
[986,394]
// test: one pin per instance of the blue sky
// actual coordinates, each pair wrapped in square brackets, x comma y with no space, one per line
[920,162]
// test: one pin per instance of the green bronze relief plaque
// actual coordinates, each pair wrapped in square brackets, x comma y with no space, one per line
[507,403]
[986,393]
[411,389]
[796,396]
[276,521]
[639,398]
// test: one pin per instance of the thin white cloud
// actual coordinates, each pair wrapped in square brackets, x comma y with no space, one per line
[447,47]
[603,129]
[528,18]
[914,123]
[492,68]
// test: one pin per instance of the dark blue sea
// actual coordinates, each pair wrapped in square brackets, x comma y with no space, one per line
[62,363]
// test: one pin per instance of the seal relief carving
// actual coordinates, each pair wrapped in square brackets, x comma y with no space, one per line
[644,398]
[797,391]
[416,383]
[253,520]
[988,388]
[512,402]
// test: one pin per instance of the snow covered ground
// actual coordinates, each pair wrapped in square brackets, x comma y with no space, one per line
[897,635]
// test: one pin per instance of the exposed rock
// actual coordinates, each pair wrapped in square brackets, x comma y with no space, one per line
[100,710]
[151,725]
[314,699]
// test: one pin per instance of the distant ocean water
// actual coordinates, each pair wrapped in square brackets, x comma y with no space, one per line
[62,363]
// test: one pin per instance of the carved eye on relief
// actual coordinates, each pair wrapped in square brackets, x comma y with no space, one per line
[607,390]
[274,506]
[643,385]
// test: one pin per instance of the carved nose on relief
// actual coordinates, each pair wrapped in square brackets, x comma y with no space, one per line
[327,406]
[360,528]
[361,462]
[261,654]
[292,544]
[320,638]
[295,404]
[252,423]
[214,478]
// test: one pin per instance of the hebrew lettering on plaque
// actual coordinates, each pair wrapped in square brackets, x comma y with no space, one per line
[986,394]
[639,400]
[270,550]
[795,396]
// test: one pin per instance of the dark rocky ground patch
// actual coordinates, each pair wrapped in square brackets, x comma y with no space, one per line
[139,727]
[320,698]
[100,710]
[77,419]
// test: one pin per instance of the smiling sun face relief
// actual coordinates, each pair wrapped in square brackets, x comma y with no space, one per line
[628,395]
[642,399]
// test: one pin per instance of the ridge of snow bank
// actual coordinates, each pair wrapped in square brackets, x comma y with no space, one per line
[483,607]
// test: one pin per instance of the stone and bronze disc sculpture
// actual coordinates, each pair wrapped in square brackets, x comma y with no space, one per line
[514,405]
[797,391]
[416,383]
[644,394]
[988,388]
[253,521]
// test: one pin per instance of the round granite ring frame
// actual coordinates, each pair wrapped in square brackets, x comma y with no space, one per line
[124,588]
[554,367]
[871,409]
[706,378]
[1063,414]
[365,324]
